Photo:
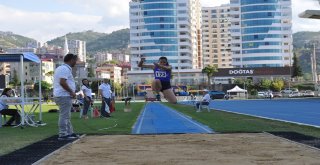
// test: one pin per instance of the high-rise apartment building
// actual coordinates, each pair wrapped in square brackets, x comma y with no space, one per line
[78,47]
[261,33]
[169,28]
[216,37]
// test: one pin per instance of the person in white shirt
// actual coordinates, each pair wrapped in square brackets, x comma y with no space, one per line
[4,108]
[87,92]
[63,91]
[106,94]
[205,100]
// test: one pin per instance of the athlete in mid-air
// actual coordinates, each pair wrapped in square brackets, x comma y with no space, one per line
[162,77]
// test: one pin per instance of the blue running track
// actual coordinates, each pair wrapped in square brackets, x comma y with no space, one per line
[300,111]
[159,119]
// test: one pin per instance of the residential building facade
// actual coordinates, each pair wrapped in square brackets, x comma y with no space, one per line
[109,71]
[78,47]
[261,33]
[216,36]
[169,28]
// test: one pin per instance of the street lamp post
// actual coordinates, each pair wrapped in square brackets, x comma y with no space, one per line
[134,97]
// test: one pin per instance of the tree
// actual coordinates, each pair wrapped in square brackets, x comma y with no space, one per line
[244,83]
[51,73]
[265,84]
[15,81]
[117,86]
[296,69]
[277,85]
[90,72]
[45,87]
[209,70]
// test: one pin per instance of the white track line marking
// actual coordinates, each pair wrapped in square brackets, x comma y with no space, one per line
[141,120]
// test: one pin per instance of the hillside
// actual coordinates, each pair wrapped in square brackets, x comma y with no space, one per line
[87,36]
[117,40]
[11,40]
[114,41]
[303,47]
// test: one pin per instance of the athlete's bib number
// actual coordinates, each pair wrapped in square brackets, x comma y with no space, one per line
[161,74]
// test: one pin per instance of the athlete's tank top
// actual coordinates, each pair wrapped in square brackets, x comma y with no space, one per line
[162,75]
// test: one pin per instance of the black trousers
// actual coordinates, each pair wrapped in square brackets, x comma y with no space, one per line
[11,112]
[201,103]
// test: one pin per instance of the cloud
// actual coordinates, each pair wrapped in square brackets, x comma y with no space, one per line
[304,24]
[99,15]
[107,8]
[104,16]
[298,6]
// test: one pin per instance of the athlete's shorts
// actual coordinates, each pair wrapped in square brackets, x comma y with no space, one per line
[165,85]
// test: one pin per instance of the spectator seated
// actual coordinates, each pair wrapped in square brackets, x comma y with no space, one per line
[203,104]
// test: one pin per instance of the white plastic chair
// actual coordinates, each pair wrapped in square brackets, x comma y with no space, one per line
[204,106]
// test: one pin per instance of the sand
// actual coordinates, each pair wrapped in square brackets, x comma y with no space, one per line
[186,149]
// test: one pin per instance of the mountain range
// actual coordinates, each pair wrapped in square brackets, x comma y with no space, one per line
[95,41]
[11,40]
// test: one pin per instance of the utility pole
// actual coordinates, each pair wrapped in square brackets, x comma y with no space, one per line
[290,66]
[314,67]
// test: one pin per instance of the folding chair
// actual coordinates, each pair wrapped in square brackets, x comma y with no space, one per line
[203,106]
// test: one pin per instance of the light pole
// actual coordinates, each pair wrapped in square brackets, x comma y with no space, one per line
[314,67]
[134,97]
[290,66]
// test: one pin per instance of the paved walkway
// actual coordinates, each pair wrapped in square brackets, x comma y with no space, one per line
[160,119]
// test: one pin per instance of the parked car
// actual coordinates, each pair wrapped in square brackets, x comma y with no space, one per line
[216,94]
[295,94]
[308,93]
[277,94]
[262,94]
[289,90]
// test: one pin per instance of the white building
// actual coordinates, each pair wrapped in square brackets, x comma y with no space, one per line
[216,36]
[78,47]
[102,57]
[261,33]
[48,67]
[109,71]
[166,28]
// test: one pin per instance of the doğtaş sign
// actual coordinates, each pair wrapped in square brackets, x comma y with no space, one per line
[267,71]
[241,71]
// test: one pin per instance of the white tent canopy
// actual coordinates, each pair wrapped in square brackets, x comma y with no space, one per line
[21,58]
[237,89]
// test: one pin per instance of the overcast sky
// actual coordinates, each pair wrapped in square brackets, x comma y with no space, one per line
[44,20]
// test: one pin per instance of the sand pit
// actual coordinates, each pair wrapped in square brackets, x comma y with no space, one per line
[193,149]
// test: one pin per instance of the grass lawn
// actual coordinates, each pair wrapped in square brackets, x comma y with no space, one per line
[14,138]
[225,122]
[121,123]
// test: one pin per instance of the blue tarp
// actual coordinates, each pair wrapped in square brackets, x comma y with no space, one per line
[27,57]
